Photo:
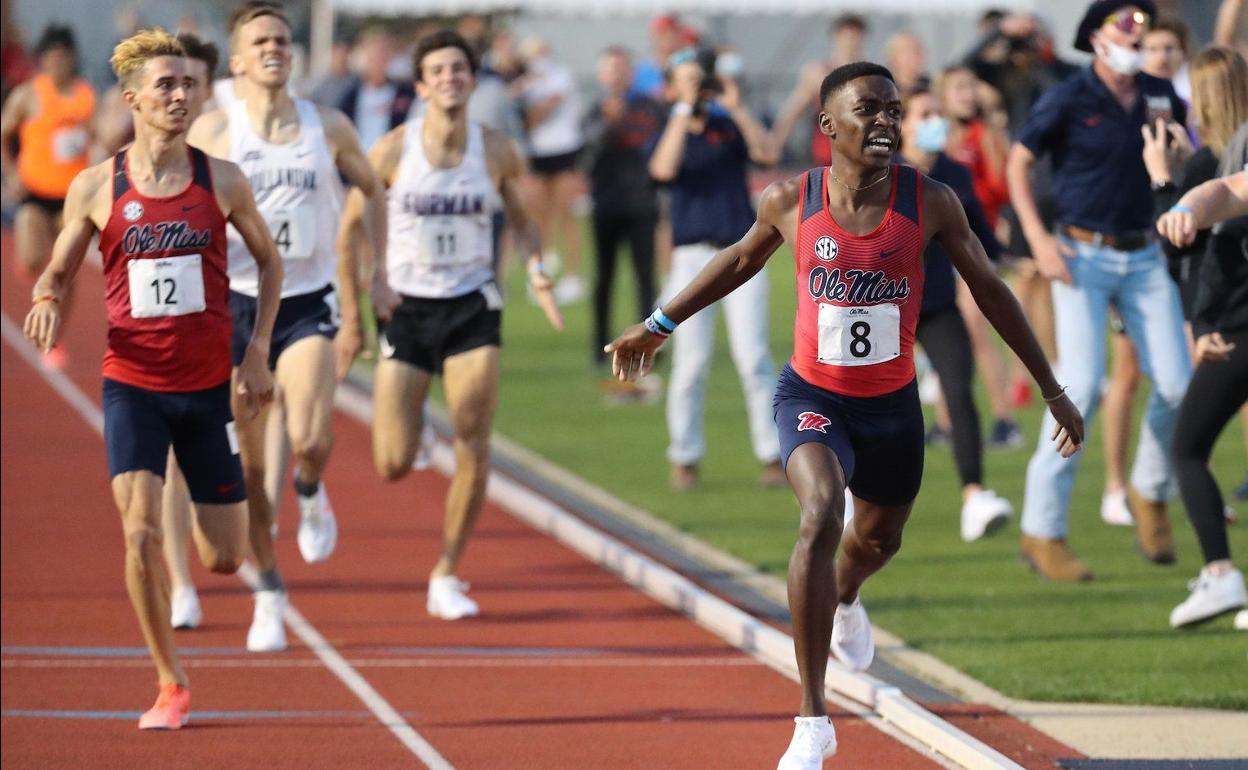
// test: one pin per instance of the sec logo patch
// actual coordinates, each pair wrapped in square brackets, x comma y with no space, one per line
[133,211]
[826,248]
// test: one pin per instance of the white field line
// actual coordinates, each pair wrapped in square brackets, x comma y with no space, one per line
[384,712]
[859,694]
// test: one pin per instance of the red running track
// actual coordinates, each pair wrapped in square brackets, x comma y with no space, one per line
[567,668]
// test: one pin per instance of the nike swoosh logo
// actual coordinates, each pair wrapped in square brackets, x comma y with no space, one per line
[225,489]
[303,154]
[884,254]
[324,327]
[188,208]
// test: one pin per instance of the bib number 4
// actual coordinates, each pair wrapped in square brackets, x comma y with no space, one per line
[859,336]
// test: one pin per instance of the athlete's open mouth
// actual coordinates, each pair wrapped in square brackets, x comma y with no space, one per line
[881,143]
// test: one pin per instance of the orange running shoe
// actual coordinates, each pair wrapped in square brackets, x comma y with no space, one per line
[172,709]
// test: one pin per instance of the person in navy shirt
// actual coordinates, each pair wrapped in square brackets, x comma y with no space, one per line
[702,156]
[1104,252]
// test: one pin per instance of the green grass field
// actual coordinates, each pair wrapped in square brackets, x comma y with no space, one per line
[973,606]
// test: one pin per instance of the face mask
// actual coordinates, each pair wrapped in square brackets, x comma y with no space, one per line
[932,134]
[1120,59]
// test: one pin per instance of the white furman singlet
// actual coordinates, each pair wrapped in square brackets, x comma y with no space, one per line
[441,230]
[298,193]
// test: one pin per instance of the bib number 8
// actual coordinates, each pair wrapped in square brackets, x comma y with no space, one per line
[860,339]
[859,336]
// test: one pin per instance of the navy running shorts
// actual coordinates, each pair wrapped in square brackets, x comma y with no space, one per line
[878,440]
[425,332]
[140,424]
[298,316]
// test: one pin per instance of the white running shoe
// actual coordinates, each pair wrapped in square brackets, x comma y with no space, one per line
[1211,596]
[570,289]
[1241,620]
[814,740]
[424,452]
[268,631]
[448,600]
[852,643]
[929,388]
[318,530]
[184,609]
[1114,509]
[984,513]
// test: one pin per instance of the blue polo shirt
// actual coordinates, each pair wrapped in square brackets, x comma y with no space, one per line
[710,196]
[1098,166]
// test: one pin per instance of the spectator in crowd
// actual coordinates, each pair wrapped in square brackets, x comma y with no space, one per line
[982,149]
[503,57]
[907,60]
[1104,252]
[52,119]
[374,101]
[618,129]
[1219,386]
[15,65]
[668,35]
[1018,58]
[494,101]
[1165,57]
[551,110]
[702,157]
[331,87]
[941,329]
[846,35]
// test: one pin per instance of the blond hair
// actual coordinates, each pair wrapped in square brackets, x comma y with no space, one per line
[1219,95]
[131,54]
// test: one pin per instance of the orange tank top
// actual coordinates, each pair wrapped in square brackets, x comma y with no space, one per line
[54,140]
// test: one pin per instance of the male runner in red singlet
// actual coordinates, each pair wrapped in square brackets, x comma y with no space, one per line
[160,208]
[847,406]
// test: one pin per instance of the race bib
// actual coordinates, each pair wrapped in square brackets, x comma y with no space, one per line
[442,242]
[166,287]
[859,336]
[293,230]
[69,144]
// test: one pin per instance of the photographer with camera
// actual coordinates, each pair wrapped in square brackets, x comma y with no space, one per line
[702,156]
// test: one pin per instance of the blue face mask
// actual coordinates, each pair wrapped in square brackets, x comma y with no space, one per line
[932,134]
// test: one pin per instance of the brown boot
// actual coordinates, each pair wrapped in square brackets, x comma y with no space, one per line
[1152,528]
[684,478]
[1053,559]
[773,476]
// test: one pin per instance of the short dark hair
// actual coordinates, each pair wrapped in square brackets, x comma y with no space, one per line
[201,50]
[850,20]
[1175,26]
[56,36]
[443,38]
[847,72]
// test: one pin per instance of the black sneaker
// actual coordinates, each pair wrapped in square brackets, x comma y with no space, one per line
[937,436]
[1005,435]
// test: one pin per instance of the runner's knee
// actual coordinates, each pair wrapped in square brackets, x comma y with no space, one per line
[883,545]
[822,515]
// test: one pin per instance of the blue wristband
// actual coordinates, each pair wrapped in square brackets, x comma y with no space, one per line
[664,323]
[1182,210]
[653,327]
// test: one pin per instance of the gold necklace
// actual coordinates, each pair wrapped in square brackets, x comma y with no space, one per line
[887,172]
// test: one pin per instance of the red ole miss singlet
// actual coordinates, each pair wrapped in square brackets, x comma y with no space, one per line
[166,287]
[858,296]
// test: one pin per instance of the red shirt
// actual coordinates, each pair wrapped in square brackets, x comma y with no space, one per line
[987,179]
[168,257]
[858,297]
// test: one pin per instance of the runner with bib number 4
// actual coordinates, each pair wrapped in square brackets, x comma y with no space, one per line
[847,406]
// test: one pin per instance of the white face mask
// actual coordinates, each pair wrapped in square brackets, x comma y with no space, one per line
[1120,59]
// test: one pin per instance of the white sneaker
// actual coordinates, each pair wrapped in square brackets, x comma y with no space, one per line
[814,740]
[268,631]
[1211,596]
[447,599]
[1114,509]
[184,610]
[929,388]
[570,289]
[1241,620]
[318,530]
[984,513]
[852,643]
[424,452]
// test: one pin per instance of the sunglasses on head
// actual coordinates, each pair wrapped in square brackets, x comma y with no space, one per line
[1126,21]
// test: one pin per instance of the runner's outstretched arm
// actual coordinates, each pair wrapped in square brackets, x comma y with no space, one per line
[727,270]
[43,322]
[255,381]
[953,233]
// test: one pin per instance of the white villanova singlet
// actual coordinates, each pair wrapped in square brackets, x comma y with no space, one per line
[298,193]
[441,221]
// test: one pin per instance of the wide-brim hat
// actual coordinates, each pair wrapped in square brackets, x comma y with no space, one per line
[1097,13]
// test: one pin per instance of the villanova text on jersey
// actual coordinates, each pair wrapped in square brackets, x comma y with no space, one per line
[435,204]
[271,178]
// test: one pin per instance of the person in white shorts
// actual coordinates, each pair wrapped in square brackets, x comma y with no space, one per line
[292,152]
[436,294]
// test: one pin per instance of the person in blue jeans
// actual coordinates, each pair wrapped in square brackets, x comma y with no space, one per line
[1104,252]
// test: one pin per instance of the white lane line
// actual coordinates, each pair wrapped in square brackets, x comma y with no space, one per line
[381,709]
[876,702]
